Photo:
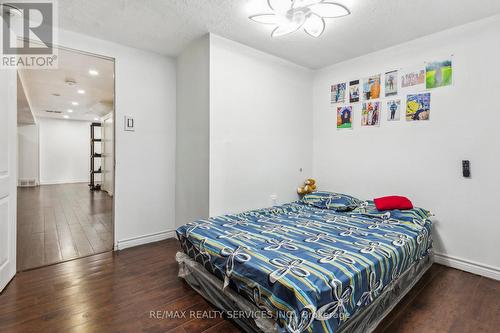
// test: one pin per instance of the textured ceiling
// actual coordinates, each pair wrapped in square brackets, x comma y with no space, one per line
[49,90]
[167,26]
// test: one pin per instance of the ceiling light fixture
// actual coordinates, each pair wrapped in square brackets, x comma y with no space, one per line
[96,119]
[81,91]
[93,72]
[70,111]
[65,117]
[74,103]
[291,15]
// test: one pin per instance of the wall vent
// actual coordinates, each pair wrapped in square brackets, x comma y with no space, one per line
[27,183]
[53,111]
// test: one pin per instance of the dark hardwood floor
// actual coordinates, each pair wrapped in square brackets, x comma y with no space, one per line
[116,292]
[61,222]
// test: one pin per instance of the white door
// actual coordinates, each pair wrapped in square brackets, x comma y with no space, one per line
[108,154]
[8,148]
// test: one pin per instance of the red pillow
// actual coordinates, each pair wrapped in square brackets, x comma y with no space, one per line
[393,202]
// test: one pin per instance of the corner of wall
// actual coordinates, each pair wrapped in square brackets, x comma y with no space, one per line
[192,132]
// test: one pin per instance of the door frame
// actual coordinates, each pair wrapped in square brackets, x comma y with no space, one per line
[8,180]
[113,213]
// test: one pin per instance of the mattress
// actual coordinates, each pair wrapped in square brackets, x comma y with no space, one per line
[311,269]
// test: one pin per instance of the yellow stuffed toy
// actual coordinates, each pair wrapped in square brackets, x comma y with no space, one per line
[309,187]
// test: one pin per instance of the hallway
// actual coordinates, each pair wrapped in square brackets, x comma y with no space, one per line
[61,222]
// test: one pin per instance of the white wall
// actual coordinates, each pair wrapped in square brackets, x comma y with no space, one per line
[145,159]
[64,151]
[27,152]
[260,127]
[423,160]
[192,157]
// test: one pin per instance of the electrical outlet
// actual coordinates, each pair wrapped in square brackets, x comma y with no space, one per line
[274,199]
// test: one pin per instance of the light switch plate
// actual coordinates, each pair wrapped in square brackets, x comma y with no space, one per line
[129,124]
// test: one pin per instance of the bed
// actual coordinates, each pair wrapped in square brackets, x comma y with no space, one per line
[301,268]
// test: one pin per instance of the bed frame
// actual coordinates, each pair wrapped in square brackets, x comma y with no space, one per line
[229,301]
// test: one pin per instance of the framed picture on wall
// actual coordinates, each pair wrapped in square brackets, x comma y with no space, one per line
[412,77]
[371,87]
[370,114]
[438,74]
[393,110]
[338,93]
[391,83]
[418,107]
[354,91]
[344,117]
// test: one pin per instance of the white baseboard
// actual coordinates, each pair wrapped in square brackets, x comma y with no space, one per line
[145,239]
[468,266]
[59,182]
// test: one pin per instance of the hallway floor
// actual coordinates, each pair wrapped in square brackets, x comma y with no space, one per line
[56,223]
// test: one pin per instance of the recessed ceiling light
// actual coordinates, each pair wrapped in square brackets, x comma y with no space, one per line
[66,117]
[70,82]
[81,91]
[93,72]
[74,103]
[70,111]
[96,119]
[290,16]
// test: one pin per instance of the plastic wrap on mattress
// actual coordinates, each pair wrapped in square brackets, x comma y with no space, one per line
[368,319]
[227,300]
[211,288]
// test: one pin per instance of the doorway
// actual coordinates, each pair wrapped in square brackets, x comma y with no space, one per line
[65,160]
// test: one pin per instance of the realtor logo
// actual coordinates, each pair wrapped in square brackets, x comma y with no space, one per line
[28,35]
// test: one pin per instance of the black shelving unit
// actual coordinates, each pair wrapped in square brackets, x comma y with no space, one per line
[95,185]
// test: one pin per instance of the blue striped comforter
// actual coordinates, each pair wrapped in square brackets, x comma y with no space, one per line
[314,269]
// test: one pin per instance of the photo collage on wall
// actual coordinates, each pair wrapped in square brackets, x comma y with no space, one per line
[397,94]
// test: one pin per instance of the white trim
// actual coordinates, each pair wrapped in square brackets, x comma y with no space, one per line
[468,266]
[68,181]
[145,239]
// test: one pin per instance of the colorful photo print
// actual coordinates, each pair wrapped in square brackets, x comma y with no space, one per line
[412,78]
[418,107]
[344,117]
[338,93]
[354,91]
[438,74]
[371,87]
[391,83]
[394,110]
[370,114]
